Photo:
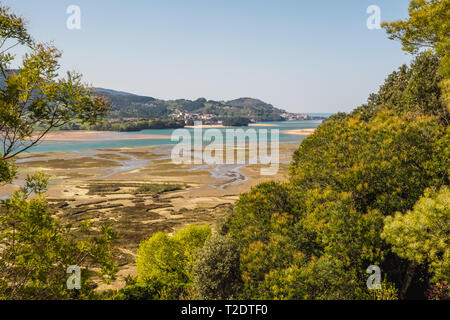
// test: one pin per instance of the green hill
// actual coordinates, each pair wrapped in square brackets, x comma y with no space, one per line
[131,106]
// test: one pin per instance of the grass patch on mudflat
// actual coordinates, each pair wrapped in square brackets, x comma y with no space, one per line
[111,188]
[132,232]
[112,156]
[141,155]
[157,188]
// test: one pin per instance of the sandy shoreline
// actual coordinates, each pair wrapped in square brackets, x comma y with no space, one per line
[262,125]
[67,136]
[82,135]
[300,132]
[98,136]
[206,126]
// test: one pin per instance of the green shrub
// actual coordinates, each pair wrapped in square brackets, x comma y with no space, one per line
[216,271]
[165,262]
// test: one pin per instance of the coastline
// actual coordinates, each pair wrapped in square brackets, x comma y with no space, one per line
[80,135]
[262,125]
[88,135]
[206,126]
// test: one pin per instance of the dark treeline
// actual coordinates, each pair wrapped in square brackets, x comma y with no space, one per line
[138,125]
[236,122]
[127,125]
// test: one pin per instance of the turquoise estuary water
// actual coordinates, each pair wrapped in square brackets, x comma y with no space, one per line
[71,146]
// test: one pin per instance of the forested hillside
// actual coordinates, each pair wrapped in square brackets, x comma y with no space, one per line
[130,112]
[133,106]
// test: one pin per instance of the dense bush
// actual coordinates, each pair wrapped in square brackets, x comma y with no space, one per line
[216,270]
[165,263]
[297,244]
[386,163]
[358,194]
[422,234]
[314,237]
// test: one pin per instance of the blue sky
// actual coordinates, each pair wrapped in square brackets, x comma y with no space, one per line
[303,56]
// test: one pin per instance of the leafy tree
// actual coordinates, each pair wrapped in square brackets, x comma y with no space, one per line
[415,90]
[165,263]
[427,27]
[386,164]
[37,249]
[297,244]
[155,291]
[439,291]
[33,95]
[191,239]
[388,291]
[422,235]
[216,270]
[314,236]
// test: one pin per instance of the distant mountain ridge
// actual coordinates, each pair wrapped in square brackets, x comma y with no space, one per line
[113,92]
[132,106]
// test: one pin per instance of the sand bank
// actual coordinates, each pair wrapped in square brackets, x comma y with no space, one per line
[300,132]
[262,125]
[98,136]
[206,126]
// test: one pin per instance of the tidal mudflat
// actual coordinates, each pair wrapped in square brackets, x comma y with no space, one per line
[140,191]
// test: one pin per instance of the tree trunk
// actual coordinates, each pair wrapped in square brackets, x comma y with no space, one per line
[408,278]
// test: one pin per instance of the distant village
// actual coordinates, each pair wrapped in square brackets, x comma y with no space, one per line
[296,116]
[208,118]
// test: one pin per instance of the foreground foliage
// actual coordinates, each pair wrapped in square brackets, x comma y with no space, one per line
[422,234]
[216,271]
[35,248]
[165,264]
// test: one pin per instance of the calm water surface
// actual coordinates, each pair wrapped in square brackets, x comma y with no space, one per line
[74,146]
